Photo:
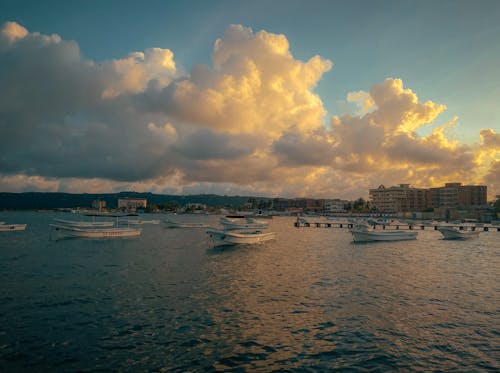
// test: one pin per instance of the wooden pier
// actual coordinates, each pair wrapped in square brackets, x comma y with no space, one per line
[299,224]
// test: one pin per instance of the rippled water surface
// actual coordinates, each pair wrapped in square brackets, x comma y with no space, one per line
[311,300]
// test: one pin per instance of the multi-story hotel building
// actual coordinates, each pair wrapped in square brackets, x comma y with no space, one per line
[402,198]
[454,195]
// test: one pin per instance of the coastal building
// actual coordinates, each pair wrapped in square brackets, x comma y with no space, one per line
[402,198]
[335,205]
[195,207]
[299,204]
[444,200]
[285,204]
[315,205]
[132,203]
[99,204]
[455,195]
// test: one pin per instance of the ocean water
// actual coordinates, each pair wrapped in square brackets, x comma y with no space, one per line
[310,301]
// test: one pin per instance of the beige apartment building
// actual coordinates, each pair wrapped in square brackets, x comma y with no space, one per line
[401,198]
[404,198]
[132,203]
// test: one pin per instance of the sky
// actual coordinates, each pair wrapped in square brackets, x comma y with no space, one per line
[320,99]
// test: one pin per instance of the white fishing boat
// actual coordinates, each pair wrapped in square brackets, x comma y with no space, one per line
[12,227]
[139,222]
[85,224]
[361,233]
[453,233]
[222,238]
[76,232]
[249,223]
[174,224]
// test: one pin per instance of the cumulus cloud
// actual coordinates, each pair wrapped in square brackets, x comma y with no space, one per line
[63,115]
[382,145]
[399,109]
[11,32]
[255,85]
[248,123]
[490,140]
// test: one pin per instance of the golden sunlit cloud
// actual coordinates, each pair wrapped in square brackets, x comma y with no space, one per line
[255,86]
[13,31]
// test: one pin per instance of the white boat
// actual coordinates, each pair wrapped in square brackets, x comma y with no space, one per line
[361,233]
[139,222]
[452,233]
[249,223]
[84,224]
[173,224]
[77,232]
[222,238]
[12,227]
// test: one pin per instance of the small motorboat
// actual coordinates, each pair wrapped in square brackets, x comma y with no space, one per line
[85,224]
[252,237]
[361,233]
[76,232]
[453,233]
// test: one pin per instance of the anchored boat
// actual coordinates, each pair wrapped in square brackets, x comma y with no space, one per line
[76,232]
[452,233]
[221,238]
[361,233]
[84,224]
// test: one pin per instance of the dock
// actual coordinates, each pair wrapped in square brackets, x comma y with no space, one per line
[406,226]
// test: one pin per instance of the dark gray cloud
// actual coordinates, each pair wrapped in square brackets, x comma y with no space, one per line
[295,148]
[205,144]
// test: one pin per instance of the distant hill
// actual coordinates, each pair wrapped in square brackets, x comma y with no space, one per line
[41,201]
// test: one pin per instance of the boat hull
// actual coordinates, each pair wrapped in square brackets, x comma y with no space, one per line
[140,222]
[454,234]
[222,238]
[97,233]
[84,224]
[368,236]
